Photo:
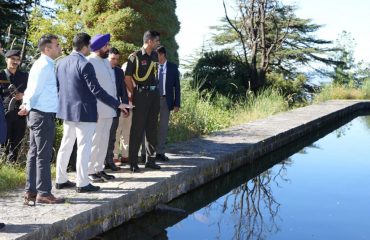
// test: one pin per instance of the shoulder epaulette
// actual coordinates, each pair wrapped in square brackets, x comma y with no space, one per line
[132,56]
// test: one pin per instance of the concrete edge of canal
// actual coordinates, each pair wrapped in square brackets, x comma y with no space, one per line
[192,164]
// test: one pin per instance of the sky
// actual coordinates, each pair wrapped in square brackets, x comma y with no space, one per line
[196,16]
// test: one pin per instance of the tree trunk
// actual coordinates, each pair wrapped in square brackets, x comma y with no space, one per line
[257,79]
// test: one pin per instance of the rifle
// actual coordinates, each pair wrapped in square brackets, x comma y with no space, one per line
[13,103]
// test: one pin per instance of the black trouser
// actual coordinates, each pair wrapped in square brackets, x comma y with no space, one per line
[112,140]
[144,119]
[16,127]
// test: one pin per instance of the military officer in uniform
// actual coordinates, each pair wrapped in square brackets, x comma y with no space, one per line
[142,69]
[13,82]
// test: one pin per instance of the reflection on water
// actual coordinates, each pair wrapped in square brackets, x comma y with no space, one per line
[311,189]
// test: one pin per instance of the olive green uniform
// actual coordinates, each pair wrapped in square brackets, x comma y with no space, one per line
[143,69]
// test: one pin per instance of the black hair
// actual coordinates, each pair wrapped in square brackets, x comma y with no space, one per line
[45,40]
[81,40]
[114,50]
[162,50]
[150,35]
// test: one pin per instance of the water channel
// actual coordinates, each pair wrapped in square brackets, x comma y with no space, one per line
[315,188]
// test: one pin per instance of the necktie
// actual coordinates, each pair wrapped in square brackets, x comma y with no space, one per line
[160,78]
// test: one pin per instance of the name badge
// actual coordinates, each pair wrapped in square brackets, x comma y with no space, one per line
[143,62]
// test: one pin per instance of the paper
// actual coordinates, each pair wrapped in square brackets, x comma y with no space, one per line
[128,105]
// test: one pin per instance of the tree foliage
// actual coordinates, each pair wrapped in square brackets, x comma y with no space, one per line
[126,21]
[65,23]
[14,24]
[221,72]
[344,73]
[267,36]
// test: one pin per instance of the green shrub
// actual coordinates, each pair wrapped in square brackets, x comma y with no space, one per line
[202,114]
[198,114]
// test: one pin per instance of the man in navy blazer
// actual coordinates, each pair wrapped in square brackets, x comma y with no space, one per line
[169,90]
[78,93]
[115,135]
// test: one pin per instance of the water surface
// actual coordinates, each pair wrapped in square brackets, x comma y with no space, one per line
[315,188]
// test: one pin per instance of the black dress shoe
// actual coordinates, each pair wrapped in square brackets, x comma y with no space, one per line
[87,188]
[106,176]
[67,184]
[112,167]
[143,159]
[134,168]
[96,178]
[152,165]
[162,157]
[2,225]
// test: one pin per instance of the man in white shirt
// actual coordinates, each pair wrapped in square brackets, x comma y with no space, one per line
[40,103]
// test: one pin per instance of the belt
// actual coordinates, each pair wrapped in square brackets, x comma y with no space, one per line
[147,87]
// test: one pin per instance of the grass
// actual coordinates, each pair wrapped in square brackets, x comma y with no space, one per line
[200,114]
[11,176]
[266,103]
[335,91]
[14,175]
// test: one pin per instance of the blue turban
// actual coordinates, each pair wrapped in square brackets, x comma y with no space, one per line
[99,41]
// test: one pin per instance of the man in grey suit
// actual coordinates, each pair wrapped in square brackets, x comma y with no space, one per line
[169,91]
[78,93]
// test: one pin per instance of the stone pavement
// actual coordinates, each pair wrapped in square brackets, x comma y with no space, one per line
[192,164]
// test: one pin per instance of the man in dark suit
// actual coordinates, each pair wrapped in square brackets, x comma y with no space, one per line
[78,93]
[169,90]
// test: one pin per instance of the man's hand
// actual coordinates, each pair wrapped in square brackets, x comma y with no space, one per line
[18,96]
[176,109]
[23,111]
[123,108]
[125,115]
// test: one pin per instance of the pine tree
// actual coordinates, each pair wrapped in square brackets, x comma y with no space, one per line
[267,36]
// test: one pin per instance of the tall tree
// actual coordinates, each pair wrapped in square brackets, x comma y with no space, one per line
[344,73]
[266,35]
[348,72]
[127,21]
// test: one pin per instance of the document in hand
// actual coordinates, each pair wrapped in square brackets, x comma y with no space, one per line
[128,105]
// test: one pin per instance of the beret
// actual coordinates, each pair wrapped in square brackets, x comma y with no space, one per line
[99,41]
[12,53]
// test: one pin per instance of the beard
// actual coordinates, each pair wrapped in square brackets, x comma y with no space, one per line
[103,54]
